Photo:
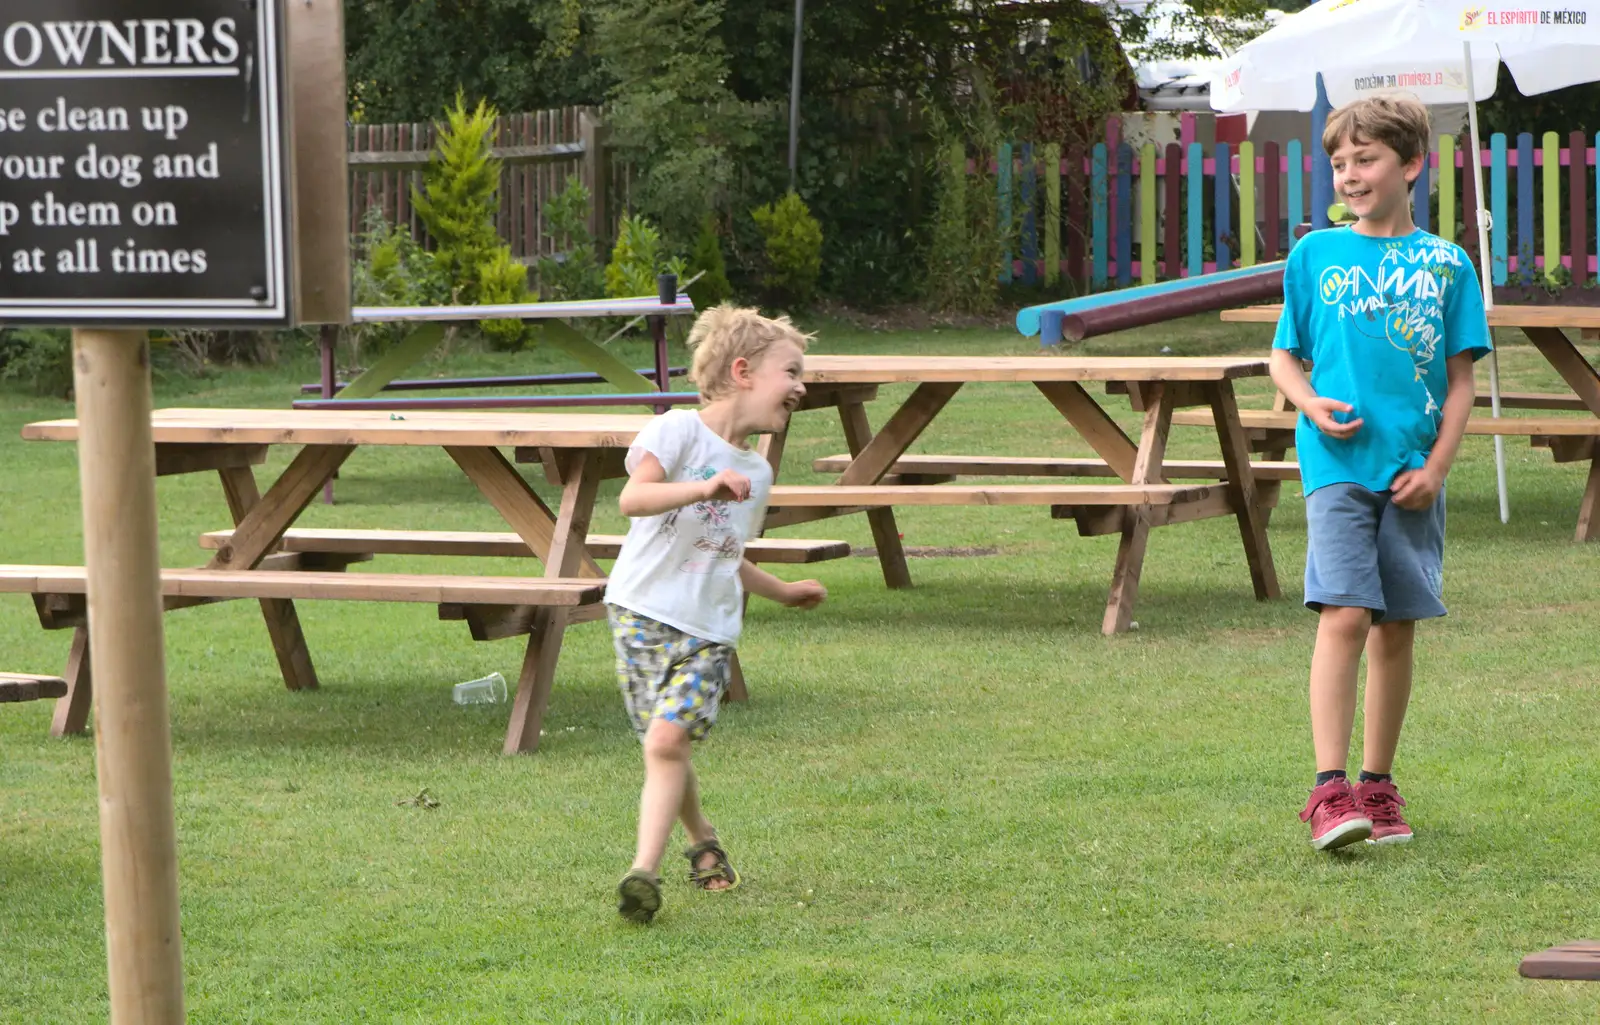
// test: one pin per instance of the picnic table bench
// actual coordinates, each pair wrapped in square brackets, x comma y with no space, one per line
[30,687]
[504,544]
[1576,961]
[1570,439]
[878,474]
[264,558]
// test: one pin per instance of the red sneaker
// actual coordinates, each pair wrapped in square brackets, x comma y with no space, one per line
[1336,820]
[1381,802]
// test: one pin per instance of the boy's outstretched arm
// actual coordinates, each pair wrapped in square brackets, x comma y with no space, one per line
[1416,489]
[802,594]
[649,493]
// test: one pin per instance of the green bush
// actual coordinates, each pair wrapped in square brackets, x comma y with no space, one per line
[576,273]
[40,358]
[871,269]
[502,279]
[793,242]
[459,204]
[390,269]
[637,258]
[706,260]
[967,244]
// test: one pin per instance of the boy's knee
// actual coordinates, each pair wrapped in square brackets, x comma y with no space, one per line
[1348,620]
[667,740]
[1395,634]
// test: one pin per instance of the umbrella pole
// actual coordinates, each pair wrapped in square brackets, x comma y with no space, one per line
[1476,162]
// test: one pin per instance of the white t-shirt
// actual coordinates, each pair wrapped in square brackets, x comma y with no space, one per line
[681,567]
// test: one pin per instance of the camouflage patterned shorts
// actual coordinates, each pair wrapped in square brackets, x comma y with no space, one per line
[666,674]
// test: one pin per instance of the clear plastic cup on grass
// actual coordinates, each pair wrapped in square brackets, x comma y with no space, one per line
[486,690]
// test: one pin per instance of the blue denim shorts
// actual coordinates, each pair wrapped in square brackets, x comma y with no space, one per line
[1363,551]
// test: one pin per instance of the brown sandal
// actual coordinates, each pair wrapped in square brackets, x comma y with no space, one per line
[639,896]
[721,870]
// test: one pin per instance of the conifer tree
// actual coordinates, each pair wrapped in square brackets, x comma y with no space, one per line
[459,201]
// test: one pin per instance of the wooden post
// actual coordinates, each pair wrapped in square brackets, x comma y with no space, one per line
[327,340]
[597,175]
[133,745]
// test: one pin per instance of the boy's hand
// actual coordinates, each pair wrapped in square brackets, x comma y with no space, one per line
[727,486]
[804,594]
[1416,489]
[1320,410]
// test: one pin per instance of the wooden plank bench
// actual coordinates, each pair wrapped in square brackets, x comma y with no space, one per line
[506,544]
[302,584]
[1261,420]
[1508,400]
[878,495]
[1577,961]
[59,597]
[1098,509]
[28,687]
[931,469]
[1569,438]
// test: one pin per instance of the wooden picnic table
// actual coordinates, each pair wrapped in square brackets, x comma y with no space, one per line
[1570,439]
[580,448]
[877,475]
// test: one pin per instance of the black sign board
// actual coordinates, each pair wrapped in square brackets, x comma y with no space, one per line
[143,163]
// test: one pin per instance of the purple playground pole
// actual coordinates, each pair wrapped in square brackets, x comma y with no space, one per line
[1153,309]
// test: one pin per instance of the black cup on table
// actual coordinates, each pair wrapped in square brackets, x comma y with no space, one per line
[667,287]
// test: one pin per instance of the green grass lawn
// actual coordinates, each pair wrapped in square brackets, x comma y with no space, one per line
[956,802]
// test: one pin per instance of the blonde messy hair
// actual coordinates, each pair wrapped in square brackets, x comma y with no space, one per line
[1399,121]
[723,334]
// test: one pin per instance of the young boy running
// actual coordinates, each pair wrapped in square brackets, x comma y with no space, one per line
[1391,319]
[696,492]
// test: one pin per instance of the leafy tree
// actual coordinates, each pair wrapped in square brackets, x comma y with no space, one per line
[669,110]
[575,273]
[407,58]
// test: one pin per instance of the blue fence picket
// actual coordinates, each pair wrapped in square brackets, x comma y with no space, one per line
[1197,254]
[1223,221]
[1296,190]
[1097,216]
[1525,249]
[1497,207]
[1124,214]
[1003,196]
[1030,222]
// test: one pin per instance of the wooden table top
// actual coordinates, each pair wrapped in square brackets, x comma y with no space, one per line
[964,369]
[374,427]
[1500,316]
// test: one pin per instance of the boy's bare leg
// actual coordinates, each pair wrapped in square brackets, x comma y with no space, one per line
[690,814]
[666,778]
[1341,634]
[1389,662]
[699,827]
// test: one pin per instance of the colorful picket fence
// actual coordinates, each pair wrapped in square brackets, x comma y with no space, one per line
[1115,215]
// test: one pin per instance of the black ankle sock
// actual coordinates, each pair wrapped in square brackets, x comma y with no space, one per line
[1323,777]
[1375,777]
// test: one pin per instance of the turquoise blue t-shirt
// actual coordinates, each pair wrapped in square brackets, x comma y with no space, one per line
[1377,318]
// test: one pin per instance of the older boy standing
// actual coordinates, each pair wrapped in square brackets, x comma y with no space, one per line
[1391,319]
